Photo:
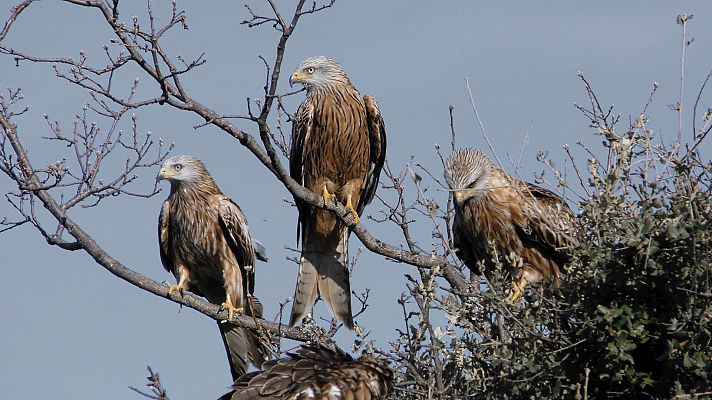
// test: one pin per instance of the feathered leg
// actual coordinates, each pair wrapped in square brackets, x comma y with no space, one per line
[230,307]
[234,296]
[350,207]
[527,275]
[182,275]
[327,196]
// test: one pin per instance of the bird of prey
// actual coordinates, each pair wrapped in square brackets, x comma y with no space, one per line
[338,148]
[205,242]
[318,373]
[496,211]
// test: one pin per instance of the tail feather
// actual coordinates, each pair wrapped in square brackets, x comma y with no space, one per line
[335,288]
[244,346]
[323,272]
[260,250]
[306,292]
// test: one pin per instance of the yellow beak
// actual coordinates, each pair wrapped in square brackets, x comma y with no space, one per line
[164,174]
[296,78]
[459,196]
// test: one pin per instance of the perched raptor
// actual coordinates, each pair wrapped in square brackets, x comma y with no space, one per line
[205,242]
[338,149]
[495,210]
[315,372]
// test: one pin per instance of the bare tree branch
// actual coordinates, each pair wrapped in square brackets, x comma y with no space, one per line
[154,381]
[86,243]
[14,13]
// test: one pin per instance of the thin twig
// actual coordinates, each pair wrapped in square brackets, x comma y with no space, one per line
[482,127]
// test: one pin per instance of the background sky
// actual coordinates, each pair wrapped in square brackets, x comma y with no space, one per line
[71,329]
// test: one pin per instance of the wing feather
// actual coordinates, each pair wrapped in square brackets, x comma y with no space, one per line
[463,249]
[236,231]
[377,141]
[316,372]
[164,237]
[548,221]
[301,129]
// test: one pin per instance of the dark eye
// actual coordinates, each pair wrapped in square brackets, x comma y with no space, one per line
[472,185]
[310,70]
[177,167]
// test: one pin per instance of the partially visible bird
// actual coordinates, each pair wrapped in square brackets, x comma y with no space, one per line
[338,148]
[316,372]
[205,242]
[495,210]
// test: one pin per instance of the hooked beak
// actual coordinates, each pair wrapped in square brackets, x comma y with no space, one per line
[459,196]
[295,78]
[164,174]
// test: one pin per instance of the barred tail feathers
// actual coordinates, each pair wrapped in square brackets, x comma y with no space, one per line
[323,272]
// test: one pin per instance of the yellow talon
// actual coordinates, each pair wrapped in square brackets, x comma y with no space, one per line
[231,310]
[516,292]
[174,288]
[327,196]
[350,207]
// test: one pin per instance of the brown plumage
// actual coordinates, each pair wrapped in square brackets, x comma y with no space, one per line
[338,149]
[205,242]
[516,216]
[315,372]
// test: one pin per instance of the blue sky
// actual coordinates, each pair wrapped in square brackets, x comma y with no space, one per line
[72,329]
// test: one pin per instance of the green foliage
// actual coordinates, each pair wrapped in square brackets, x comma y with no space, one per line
[641,292]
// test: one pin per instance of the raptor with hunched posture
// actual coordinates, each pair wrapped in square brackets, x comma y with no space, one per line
[316,373]
[338,149]
[496,211]
[205,242]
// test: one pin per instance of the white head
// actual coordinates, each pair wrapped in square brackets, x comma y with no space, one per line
[319,72]
[467,174]
[183,170]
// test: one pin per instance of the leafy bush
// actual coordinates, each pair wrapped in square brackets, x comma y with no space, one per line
[632,318]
